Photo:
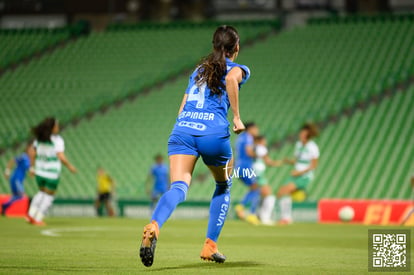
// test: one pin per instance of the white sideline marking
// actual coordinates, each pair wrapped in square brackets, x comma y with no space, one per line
[55,232]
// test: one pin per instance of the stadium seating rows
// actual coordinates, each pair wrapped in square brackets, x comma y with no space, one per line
[326,59]
[369,138]
[97,70]
[18,44]
[313,72]
[367,155]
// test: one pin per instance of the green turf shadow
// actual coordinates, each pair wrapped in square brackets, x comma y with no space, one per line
[207,265]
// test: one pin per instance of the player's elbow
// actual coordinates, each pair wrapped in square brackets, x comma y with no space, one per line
[231,79]
[61,157]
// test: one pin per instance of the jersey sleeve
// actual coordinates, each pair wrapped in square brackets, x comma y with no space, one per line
[246,75]
[314,151]
[59,145]
[244,68]
[261,151]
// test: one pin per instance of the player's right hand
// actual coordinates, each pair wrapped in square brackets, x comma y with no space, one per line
[238,126]
[72,169]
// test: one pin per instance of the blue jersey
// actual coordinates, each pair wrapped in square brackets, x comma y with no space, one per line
[22,165]
[160,174]
[205,113]
[242,158]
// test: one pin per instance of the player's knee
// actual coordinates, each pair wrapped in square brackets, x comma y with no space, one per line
[181,189]
[254,186]
[222,187]
[280,192]
[266,191]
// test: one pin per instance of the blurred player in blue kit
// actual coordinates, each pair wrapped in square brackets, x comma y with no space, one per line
[202,129]
[245,156]
[159,175]
[22,165]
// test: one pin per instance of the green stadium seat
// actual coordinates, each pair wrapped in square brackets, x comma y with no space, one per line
[312,72]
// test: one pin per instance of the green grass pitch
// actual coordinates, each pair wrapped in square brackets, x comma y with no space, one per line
[96,246]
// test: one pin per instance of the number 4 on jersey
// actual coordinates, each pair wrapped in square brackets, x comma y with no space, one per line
[197,94]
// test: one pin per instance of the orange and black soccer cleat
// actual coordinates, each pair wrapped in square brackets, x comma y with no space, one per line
[211,253]
[148,244]
[37,223]
[284,222]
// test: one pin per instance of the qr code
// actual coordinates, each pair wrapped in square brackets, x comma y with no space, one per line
[389,250]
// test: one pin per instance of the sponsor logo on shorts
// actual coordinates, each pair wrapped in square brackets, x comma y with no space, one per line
[193,125]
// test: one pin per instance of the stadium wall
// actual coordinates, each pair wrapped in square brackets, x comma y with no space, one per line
[302,212]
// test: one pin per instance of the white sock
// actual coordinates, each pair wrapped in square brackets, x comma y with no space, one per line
[46,203]
[266,211]
[35,204]
[286,208]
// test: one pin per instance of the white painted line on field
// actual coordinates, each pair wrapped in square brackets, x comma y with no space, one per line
[55,232]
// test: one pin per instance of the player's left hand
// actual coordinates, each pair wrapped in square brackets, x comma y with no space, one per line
[238,126]
[296,173]
[31,172]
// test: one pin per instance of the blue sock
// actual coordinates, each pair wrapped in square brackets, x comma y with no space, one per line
[219,206]
[169,201]
[247,200]
[255,200]
[10,202]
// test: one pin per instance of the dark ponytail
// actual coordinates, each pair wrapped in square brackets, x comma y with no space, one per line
[43,131]
[213,67]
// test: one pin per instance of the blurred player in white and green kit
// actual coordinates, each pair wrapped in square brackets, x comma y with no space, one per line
[305,161]
[260,164]
[48,161]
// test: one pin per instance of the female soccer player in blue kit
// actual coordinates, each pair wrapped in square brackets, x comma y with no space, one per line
[22,163]
[202,130]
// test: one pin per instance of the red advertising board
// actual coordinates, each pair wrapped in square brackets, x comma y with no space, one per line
[380,212]
[17,209]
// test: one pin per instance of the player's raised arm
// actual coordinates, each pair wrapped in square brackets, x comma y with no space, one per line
[233,78]
[290,161]
[65,161]
[272,162]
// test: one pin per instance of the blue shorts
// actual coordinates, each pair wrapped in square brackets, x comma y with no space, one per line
[246,174]
[215,150]
[16,186]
